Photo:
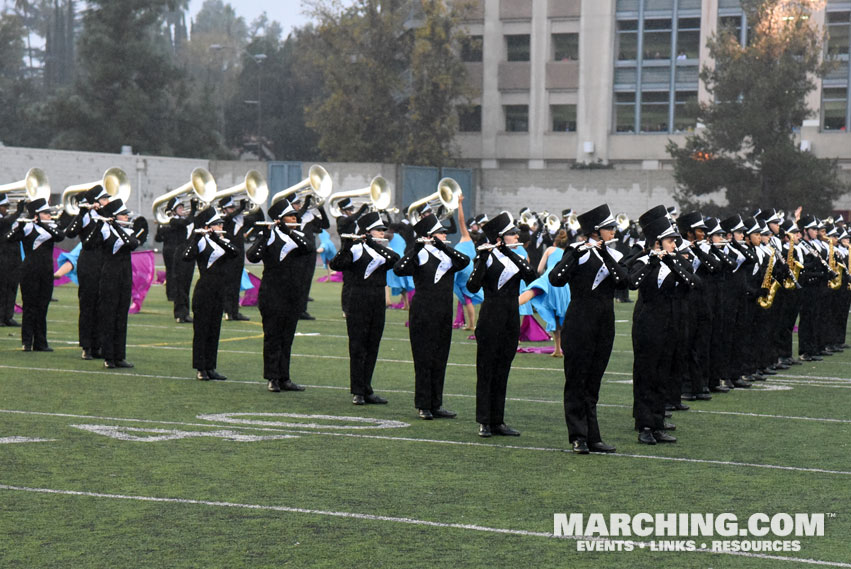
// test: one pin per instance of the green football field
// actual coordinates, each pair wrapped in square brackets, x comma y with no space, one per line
[150,468]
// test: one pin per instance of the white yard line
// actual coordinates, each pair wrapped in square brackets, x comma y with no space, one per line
[378,518]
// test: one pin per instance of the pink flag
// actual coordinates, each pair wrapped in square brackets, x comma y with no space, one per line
[531,330]
[249,297]
[143,276]
[61,280]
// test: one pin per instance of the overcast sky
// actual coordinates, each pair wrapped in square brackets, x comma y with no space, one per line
[287,12]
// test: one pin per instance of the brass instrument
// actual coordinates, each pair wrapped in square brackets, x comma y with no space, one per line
[572,222]
[623,221]
[114,181]
[318,184]
[836,282]
[794,267]
[377,194]
[768,283]
[254,188]
[446,196]
[32,187]
[552,223]
[527,218]
[201,185]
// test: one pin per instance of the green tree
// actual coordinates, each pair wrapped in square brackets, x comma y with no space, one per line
[748,148]
[128,89]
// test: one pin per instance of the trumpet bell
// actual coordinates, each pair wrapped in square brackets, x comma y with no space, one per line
[254,188]
[32,187]
[378,193]
[115,182]
[201,185]
[622,220]
[318,184]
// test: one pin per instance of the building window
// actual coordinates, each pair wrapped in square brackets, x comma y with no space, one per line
[657,39]
[470,118]
[563,118]
[471,49]
[565,47]
[627,40]
[834,108]
[688,38]
[624,112]
[838,29]
[685,111]
[517,47]
[654,111]
[516,118]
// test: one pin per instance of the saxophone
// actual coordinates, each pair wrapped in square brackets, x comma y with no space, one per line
[794,267]
[767,283]
[836,282]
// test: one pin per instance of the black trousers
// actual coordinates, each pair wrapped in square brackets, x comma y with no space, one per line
[170,278]
[36,291]
[207,310]
[114,304]
[365,325]
[593,321]
[183,273]
[234,279]
[497,336]
[430,330]
[89,266]
[280,319]
[791,307]
[653,325]
[808,336]
[10,276]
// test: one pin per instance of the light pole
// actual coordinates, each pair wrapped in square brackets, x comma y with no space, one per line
[258,58]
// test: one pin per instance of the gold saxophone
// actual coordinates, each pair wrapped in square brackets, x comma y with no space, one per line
[836,282]
[794,267]
[768,283]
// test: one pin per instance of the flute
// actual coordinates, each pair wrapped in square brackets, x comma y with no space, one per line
[208,231]
[489,246]
[428,240]
[356,237]
[585,246]
[273,223]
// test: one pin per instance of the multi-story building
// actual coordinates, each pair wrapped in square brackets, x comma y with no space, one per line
[566,81]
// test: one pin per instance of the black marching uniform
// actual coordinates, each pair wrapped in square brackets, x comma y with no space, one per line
[209,252]
[116,244]
[10,260]
[235,226]
[588,332]
[499,272]
[280,293]
[432,267]
[311,224]
[347,224]
[38,238]
[367,263]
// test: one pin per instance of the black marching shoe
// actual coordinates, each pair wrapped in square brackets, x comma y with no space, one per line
[601,447]
[504,430]
[306,316]
[183,320]
[484,431]
[646,437]
[273,386]
[755,377]
[679,407]
[358,400]
[44,348]
[703,397]
[86,355]
[240,317]
[669,427]
[810,358]
[109,364]
[375,399]
[12,322]
[663,437]
[825,352]
[740,383]
[688,397]
[425,414]
[288,385]
[720,388]
[668,415]
[580,446]
[213,374]
[201,375]
[441,413]
[791,362]
[123,363]
[768,371]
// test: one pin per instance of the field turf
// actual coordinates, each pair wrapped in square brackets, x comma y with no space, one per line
[150,468]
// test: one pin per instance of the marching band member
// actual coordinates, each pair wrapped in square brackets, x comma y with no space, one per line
[280,292]
[116,241]
[311,224]
[347,224]
[656,319]
[793,255]
[432,264]
[814,279]
[10,260]
[89,268]
[38,235]
[498,270]
[367,262]
[175,237]
[593,271]
[209,250]
[467,246]
[235,224]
